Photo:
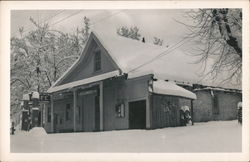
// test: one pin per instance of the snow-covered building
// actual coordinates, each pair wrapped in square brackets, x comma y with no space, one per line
[103,90]
[119,83]
[214,103]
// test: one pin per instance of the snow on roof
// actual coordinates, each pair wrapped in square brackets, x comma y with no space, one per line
[170,88]
[84,81]
[218,89]
[131,54]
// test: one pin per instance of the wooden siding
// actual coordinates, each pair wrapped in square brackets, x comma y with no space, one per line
[184,102]
[203,107]
[227,103]
[63,125]
[125,91]
[165,111]
[227,106]
[85,69]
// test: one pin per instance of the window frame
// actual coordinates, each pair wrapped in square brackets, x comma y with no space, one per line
[97,61]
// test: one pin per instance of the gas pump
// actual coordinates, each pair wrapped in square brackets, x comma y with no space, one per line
[25,112]
[30,111]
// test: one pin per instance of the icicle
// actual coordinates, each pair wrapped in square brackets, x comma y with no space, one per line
[212,93]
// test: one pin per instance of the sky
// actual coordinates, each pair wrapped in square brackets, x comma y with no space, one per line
[151,22]
[161,23]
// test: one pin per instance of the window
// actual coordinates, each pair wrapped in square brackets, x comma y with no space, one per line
[120,110]
[97,61]
[49,114]
[67,112]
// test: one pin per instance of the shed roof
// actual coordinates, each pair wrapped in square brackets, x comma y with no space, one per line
[170,88]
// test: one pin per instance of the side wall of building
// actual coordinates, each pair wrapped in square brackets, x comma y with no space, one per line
[227,103]
[122,91]
[202,107]
[165,111]
[215,105]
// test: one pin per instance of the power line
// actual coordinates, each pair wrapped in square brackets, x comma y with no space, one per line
[49,17]
[106,18]
[46,20]
[74,15]
[162,53]
[66,18]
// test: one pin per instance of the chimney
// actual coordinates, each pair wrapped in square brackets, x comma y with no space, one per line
[143,40]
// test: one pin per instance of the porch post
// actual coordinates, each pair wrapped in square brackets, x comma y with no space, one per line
[192,112]
[52,112]
[74,108]
[101,105]
[147,113]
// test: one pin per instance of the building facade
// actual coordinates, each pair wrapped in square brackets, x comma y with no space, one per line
[95,94]
[109,88]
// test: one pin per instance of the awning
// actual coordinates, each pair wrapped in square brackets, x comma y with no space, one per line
[170,88]
[84,81]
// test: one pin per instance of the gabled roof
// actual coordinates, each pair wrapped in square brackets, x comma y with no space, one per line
[131,54]
[136,58]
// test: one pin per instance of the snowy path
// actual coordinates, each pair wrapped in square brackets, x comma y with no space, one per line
[215,136]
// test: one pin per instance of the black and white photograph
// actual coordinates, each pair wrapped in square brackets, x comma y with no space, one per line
[127,80]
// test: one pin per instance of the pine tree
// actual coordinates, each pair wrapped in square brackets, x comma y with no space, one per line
[132,32]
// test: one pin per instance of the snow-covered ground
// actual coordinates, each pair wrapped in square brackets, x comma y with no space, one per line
[214,136]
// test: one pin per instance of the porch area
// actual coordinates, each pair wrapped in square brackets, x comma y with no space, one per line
[79,109]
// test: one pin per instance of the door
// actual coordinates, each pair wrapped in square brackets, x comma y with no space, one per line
[137,114]
[88,107]
[97,113]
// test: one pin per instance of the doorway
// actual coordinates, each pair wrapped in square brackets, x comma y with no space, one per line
[137,114]
[90,110]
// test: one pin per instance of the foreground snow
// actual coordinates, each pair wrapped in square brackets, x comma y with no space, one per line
[215,136]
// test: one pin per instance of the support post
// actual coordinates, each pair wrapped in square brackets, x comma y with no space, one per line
[41,114]
[192,112]
[148,113]
[101,105]
[52,113]
[74,108]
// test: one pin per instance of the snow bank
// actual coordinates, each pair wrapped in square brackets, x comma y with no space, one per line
[37,131]
[214,136]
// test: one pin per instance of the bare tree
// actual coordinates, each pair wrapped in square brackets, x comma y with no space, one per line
[219,35]
[40,57]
